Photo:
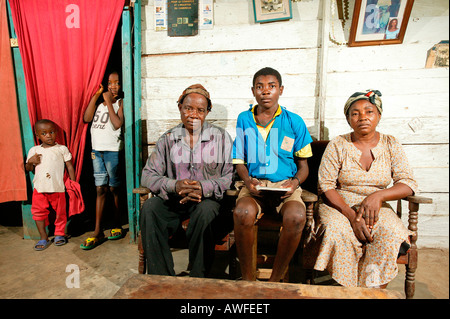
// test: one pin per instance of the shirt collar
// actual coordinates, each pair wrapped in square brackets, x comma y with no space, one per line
[278,112]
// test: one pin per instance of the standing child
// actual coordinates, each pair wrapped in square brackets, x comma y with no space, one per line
[47,161]
[270,149]
[107,120]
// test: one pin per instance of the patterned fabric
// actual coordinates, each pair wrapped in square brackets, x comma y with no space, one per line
[195,88]
[373,96]
[348,261]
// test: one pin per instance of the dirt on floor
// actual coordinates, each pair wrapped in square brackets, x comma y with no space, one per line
[70,272]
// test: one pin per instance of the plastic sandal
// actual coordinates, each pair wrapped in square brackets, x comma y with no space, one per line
[91,243]
[44,243]
[116,233]
[60,240]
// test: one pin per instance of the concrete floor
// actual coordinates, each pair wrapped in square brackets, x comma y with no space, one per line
[28,274]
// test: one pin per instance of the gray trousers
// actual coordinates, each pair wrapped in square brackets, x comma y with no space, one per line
[159,219]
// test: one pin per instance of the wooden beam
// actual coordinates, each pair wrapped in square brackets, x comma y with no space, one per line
[323,68]
[30,230]
[127,74]
[137,104]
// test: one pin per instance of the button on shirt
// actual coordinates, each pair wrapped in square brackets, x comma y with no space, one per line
[208,162]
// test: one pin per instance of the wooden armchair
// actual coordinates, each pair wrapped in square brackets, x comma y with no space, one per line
[411,256]
[266,230]
[225,244]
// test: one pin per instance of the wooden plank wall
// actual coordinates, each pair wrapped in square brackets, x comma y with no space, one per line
[225,58]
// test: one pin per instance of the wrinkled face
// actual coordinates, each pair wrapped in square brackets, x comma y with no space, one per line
[193,111]
[113,84]
[46,132]
[363,117]
[267,90]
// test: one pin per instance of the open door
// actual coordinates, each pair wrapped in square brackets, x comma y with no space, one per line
[131,34]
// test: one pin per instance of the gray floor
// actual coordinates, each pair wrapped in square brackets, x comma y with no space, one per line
[25,273]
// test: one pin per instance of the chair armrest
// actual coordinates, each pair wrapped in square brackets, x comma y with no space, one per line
[309,197]
[232,192]
[141,190]
[418,199]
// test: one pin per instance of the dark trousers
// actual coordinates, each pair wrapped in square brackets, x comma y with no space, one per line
[159,219]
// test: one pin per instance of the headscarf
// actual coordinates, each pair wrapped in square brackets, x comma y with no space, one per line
[195,88]
[373,96]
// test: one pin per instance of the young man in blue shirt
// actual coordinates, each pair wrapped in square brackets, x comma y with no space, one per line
[270,149]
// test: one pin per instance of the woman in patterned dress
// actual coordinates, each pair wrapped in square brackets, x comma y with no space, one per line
[362,233]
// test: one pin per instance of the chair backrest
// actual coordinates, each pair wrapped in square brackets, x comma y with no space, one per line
[318,147]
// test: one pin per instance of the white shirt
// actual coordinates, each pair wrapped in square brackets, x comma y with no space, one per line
[103,135]
[49,174]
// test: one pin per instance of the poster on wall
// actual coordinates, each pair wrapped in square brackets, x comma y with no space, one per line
[378,22]
[272,10]
[160,15]
[182,17]
[206,12]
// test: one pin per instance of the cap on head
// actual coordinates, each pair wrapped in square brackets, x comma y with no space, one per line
[195,88]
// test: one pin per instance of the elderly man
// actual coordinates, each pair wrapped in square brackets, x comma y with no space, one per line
[189,171]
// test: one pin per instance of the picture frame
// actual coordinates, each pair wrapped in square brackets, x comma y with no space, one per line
[379,22]
[272,10]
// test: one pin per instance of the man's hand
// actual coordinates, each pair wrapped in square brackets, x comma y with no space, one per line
[292,184]
[190,190]
[251,184]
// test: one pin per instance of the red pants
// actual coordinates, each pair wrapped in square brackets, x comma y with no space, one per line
[40,208]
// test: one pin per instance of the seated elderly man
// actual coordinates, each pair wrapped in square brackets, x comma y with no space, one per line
[189,172]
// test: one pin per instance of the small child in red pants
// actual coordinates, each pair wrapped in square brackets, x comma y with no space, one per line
[48,162]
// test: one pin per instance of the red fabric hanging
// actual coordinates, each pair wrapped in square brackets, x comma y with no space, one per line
[13,185]
[65,47]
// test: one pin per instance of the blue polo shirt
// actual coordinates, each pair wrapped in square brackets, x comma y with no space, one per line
[273,158]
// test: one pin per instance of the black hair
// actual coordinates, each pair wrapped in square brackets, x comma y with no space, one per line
[268,71]
[43,121]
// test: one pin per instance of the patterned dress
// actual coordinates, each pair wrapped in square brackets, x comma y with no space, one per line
[349,262]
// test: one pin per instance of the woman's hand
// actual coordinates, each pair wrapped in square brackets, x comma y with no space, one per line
[369,209]
[100,90]
[361,230]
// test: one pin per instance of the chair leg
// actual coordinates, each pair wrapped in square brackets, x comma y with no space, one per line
[410,284]
[142,267]
[255,252]
[310,276]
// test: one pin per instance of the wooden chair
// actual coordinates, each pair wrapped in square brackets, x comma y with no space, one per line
[266,231]
[409,260]
[225,244]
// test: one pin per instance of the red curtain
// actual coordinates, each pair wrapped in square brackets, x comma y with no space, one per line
[65,47]
[13,185]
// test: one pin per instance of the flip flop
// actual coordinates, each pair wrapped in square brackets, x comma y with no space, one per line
[92,242]
[60,240]
[44,243]
[116,233]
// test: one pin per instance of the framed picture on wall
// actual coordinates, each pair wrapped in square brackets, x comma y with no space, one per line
[377,22]
[272,10]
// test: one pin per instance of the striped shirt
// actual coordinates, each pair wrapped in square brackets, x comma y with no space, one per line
[208,162]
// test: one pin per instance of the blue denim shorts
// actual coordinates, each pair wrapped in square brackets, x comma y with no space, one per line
[106,168]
